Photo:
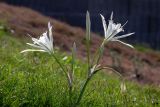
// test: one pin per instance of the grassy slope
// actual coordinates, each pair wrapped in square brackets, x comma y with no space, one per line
[34,79]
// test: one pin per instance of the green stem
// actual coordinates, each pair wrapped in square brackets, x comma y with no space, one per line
[60,65]
[63,69]
[98,53]
[88,55]
[70,96]
[101,49]
[82,91]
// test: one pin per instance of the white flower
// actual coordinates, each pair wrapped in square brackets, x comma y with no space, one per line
[44,43]
[113,29]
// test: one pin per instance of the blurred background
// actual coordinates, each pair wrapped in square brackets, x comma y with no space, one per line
[143,15]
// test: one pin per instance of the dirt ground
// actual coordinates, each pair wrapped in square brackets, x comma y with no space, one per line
[132,64]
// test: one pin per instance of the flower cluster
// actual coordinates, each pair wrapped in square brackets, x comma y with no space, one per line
[45,44]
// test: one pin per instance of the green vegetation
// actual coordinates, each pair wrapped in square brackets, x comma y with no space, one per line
[142,48]
[36,80]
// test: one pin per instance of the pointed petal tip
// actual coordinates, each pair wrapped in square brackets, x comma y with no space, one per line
[111,16]
[125,23]
[128,45]
[124,43]
[23,51]
[131,33]
[102,16]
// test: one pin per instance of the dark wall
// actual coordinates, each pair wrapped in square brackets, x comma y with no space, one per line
[143,15]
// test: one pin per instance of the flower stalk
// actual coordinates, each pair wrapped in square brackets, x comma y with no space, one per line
[88,39]
[83,90]
[69,76]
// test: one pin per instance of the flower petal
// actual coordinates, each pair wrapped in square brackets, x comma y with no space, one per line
[123,36]
[104,25]
[41,42]
[111,17]
[50,34]
[34,45]
[124,43]
[32,50]
[110,29]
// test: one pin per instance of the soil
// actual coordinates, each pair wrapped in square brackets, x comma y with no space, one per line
[143,67]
